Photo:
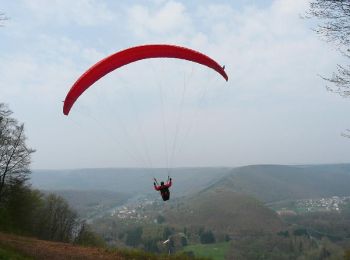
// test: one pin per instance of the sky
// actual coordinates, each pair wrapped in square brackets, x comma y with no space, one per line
[274,109]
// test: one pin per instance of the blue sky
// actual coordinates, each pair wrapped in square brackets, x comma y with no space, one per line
[167,113]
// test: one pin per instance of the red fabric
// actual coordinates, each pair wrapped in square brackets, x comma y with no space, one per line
[160,187]
[130,55]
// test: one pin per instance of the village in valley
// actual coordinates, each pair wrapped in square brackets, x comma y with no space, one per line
[333,203]
[134,210]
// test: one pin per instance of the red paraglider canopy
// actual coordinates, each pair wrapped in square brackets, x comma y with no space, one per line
[130,55]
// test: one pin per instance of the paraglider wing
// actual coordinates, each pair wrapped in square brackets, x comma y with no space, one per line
[130,55]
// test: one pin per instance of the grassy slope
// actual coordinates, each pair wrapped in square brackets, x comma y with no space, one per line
[26,248]
[40,249]
[6,254]
[222,210]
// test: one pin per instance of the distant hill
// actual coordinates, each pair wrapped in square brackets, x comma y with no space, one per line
[91,203]
[127,180]
[225,211]
[270,183]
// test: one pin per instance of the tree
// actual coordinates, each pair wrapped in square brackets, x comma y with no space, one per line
[134,236]
[57,221]
[184,241]
[207,237]
[15,155]
[334,27]
[167,232]
[151,244]
[86,237]
[23,204]
[18,213]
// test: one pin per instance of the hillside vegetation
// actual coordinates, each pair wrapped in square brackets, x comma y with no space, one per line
[224,211]
[88,203]
[270,183]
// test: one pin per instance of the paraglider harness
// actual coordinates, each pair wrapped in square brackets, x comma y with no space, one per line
[164,189]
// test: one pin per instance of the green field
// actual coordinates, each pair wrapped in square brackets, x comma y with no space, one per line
[213,251]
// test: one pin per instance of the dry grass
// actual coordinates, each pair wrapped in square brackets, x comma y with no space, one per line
[31,248]
[40,249]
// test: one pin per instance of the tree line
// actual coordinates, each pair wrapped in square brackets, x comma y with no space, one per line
[24,210]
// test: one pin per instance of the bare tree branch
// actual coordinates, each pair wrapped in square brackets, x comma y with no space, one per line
[334,27]
[15,156]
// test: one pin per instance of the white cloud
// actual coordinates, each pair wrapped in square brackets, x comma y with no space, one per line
[66,12]
[48,65]
[168,18]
